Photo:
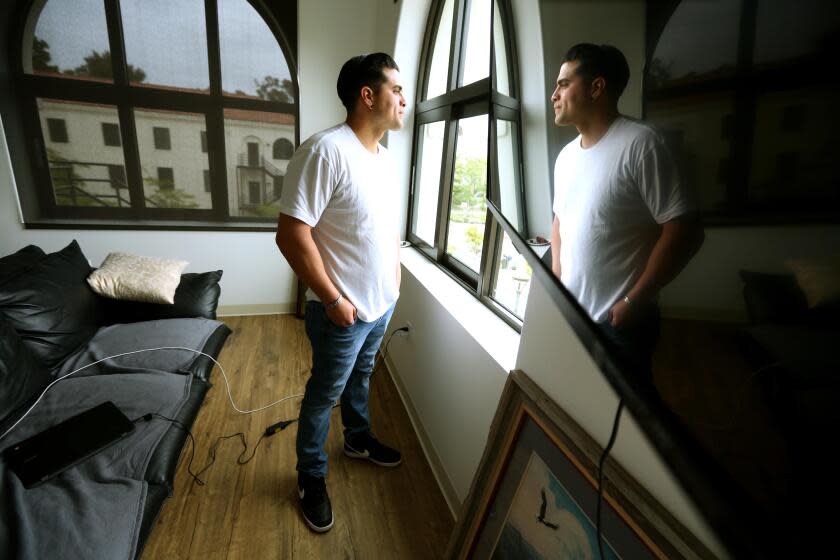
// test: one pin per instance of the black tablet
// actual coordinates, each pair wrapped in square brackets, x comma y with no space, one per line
[68,443]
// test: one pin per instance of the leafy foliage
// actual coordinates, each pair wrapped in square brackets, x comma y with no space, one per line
[98,65]
[470,185]
[273,89]
[173,198]
[41,57]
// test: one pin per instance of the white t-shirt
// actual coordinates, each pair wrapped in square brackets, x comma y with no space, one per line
[348,196]
[610,200]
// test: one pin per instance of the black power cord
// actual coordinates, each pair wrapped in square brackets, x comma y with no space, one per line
[268,432]
[601,477]
[213,449]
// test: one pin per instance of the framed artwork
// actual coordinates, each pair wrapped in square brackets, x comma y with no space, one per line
[535,494]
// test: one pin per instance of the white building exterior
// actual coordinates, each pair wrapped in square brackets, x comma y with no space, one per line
[87,171]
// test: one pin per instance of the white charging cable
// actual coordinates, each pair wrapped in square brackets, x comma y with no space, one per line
[224,375]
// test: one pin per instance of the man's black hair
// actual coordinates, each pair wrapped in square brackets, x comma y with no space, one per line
[363,70]
[601,60]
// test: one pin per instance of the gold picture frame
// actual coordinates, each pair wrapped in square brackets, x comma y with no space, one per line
[535,493]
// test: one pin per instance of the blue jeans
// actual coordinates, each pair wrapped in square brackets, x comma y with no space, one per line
[342,363]
[637,342]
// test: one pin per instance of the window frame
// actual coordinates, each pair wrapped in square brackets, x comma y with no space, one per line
[477,98]
[39,207]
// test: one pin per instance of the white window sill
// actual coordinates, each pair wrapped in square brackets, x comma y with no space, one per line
[496,337]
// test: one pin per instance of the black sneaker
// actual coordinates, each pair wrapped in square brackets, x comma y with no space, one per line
[315,503]
[366,446]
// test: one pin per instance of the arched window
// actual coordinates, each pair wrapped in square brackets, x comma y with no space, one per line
[148,85]
[283,149]
[460,100]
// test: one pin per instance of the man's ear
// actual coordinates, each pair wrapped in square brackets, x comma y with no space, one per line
[367,96]
[598,88]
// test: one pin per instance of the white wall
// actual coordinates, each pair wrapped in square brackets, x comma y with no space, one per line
[710,288]
[255,272]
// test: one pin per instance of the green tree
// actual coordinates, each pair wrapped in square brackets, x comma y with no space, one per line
[41,57]
[69,186]
[470,185]
[167,197]
[98,65]
[474,239]
[273,89]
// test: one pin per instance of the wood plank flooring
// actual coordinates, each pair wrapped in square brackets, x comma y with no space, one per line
[251,511]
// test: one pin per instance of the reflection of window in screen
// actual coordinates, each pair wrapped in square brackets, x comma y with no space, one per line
[773,158]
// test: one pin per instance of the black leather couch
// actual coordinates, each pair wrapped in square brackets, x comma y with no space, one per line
[51,323]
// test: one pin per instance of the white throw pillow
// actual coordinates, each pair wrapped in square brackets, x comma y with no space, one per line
[135,278]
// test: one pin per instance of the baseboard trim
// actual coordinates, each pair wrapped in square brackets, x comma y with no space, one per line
[255,309]
[426,444]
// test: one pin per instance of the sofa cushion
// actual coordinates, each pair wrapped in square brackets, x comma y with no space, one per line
[130,337]
[197,296]
[136,278]
[773,298]
[819,279]
[22,377]
[51,306]
[16,263]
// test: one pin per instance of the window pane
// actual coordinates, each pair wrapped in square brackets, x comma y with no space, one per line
[477,32]
[252,171]
[507,172]
[500,52]
[795,147]
[166,43]
[252,61]
[58,48]
[687,53]
[513,279]
[111,134]
[172,177]
[468,209]
[439,70]
[427,189]
[698,130]
[83,173]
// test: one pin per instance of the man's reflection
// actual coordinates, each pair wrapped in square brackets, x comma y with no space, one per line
[624,224]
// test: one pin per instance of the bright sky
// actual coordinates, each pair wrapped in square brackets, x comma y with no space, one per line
[167,40]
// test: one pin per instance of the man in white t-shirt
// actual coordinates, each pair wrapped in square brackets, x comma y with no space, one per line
[624,224]
[338,230]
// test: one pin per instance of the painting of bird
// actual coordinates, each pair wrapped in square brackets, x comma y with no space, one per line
[541,516]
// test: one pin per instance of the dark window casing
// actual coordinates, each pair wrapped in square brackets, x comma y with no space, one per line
[282,149]
[206,180]
[111,134]
[278,186]
[253,154]
[116,174]
[162,139]
[58,130]
[204,141]
[793,118]
[254,192]
[166,178]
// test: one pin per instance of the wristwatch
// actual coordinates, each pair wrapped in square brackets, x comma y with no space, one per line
[334,304]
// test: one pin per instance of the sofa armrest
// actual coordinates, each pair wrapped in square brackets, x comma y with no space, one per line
[197,296]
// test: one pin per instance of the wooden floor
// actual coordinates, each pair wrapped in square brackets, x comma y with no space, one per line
[251,511]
